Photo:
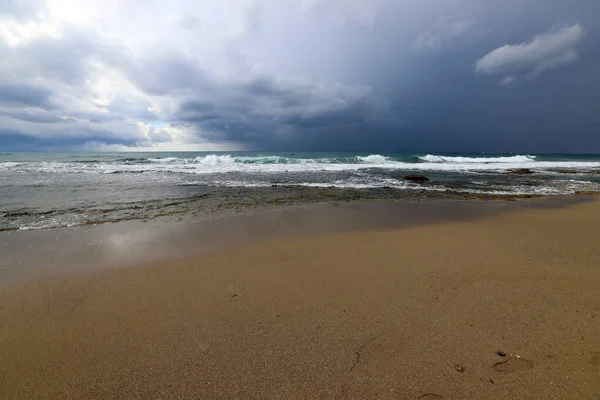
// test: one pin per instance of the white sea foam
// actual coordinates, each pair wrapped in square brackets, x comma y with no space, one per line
[219,163]
[477,160]
[167,160]
[373,183]
[375,159]
[555,187]
[227,164]
[9,165]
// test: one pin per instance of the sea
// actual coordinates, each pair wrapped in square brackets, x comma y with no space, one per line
[48,190]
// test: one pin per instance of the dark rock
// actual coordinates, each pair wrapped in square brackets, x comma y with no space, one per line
[502,354]
[520,171]
[416,178]
[459,368]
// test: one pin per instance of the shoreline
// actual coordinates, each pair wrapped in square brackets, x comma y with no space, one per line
[421,312]
[47,253]
[205,200]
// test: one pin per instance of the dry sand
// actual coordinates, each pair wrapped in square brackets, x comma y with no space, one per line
[418,313]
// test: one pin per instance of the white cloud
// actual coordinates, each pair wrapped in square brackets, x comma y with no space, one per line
[16,34]
[544,52]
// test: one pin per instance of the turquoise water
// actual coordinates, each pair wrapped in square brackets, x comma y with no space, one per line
[42,190]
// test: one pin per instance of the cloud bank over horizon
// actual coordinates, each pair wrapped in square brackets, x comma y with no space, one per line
[297,75]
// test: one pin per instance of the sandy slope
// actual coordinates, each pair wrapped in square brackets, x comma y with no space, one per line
[414,313]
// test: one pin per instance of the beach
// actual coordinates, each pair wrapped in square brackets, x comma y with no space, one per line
[502,305]
[311,199]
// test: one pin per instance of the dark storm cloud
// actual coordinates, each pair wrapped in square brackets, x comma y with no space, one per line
[371,76]
[15,140]
[265,113]
[64,58]
[21,94]
[447,102]
[29,116]
[166,73]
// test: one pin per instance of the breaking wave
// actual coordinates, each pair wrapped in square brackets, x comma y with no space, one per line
[228,163]
[463,160]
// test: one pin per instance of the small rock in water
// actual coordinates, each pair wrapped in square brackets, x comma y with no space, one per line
[520,171]
[416,178]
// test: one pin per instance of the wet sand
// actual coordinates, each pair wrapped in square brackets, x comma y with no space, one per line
[391,312]
[47,253]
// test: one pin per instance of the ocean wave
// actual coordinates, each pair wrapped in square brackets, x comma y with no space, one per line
[10,165]
[375,159]
[226,159]
[228,163]
[467,160]
[221,164]
[167,160]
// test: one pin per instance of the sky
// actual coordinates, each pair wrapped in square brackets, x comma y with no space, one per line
[300,75]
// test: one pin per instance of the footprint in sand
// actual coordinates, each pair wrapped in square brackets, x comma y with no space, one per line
[513,365]
[595,358]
